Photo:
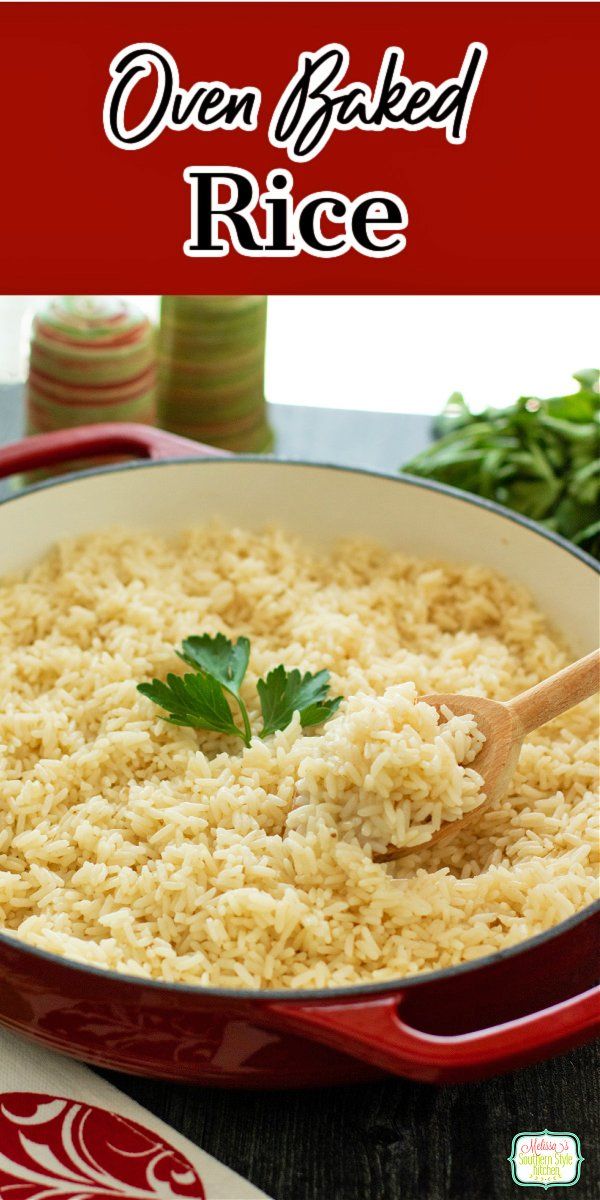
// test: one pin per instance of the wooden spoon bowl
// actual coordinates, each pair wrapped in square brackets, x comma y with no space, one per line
[504,726]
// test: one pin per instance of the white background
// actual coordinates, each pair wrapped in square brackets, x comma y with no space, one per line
[397,353]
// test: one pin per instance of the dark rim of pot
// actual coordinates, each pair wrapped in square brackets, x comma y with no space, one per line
[353,990]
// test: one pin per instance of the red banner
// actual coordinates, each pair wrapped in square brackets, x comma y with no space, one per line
[490,189]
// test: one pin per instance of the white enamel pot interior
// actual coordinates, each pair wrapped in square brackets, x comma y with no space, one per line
[321,503]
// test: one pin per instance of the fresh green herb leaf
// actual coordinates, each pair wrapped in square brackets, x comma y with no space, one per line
[218,657]
[588,378]
[195,700]
[578,407]
[586,535]
[283,693]
[539,457]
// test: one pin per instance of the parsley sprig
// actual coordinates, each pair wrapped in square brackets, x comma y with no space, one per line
[200,699]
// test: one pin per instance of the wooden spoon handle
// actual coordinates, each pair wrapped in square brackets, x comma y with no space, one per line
[557,694]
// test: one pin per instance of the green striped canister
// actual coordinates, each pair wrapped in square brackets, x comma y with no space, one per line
[211,363]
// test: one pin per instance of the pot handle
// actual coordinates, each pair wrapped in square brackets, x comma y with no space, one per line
[374,1030]
[86,441]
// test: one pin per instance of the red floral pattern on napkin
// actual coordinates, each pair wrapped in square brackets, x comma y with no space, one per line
[51,1147]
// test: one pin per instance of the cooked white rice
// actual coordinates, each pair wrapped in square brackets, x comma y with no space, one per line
[386,772]
[135,845]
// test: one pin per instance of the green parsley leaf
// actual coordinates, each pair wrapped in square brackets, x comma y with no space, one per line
[195,700]
[222,660]
[283,693]
[219,657]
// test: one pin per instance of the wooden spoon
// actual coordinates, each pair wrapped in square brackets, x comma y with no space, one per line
[505,725]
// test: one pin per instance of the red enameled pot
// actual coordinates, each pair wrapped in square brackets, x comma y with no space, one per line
[497,1013]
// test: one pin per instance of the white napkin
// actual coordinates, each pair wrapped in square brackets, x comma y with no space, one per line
[71,1135]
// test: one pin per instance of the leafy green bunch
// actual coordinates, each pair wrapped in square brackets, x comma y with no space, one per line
[200,699]
[538,457]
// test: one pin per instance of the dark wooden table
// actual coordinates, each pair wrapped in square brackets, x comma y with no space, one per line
[394,1140]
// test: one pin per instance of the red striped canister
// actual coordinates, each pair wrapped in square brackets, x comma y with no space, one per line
[92,359]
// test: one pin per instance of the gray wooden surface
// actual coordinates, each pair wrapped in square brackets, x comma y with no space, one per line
[393,1140]
[11,412]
